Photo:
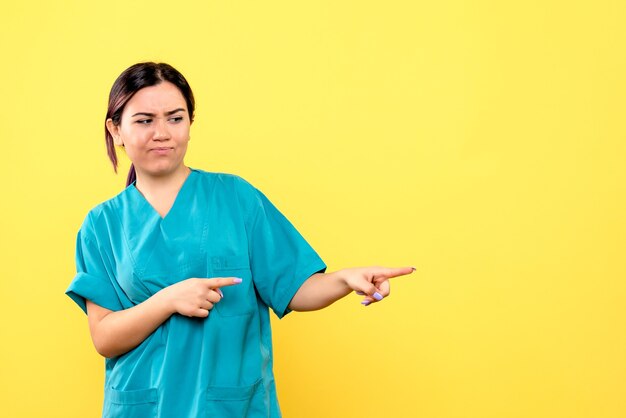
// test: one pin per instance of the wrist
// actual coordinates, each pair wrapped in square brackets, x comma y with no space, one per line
[164,301]
[341,278]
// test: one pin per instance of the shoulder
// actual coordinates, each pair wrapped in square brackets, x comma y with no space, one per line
[228,183]
[100,216]
[233,187]
[223,179]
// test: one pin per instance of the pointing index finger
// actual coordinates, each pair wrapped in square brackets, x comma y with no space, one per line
[395,272]
[217,282]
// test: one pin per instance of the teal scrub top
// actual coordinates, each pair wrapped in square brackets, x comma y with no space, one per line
[219,226]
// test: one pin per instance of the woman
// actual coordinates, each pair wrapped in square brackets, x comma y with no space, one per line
[177,272]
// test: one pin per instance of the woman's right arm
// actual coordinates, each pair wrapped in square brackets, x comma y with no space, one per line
[117,332]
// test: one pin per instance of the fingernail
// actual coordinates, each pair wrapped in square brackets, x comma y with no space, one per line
[413,268]
[377,296]
[237,280]
[365,302]
[220,292]
[360,293]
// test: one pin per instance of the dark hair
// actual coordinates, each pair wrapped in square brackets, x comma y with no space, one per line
[133,79]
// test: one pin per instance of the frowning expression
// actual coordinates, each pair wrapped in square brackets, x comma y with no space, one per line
[154,129]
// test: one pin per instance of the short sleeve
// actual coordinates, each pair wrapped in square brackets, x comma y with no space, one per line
[92,280]
[281,259]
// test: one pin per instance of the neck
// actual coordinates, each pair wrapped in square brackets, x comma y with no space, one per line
[149,184]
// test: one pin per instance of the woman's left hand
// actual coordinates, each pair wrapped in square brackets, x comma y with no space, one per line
[372,282]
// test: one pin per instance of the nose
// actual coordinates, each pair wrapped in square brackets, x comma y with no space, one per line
[160,130]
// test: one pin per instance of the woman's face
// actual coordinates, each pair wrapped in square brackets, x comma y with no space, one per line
[154,129]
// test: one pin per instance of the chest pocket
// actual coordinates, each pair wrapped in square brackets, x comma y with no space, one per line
[131,404]
[239,299]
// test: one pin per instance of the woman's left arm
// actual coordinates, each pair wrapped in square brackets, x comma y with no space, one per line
[322,289]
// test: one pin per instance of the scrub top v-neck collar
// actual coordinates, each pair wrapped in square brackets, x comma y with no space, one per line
[146,231]
[146,207]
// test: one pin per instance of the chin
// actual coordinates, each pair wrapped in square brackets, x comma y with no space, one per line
[158,170]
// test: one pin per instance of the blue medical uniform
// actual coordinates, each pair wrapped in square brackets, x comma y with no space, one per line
[219,226]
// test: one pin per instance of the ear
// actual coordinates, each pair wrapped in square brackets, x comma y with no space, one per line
[114,130]
[192,118]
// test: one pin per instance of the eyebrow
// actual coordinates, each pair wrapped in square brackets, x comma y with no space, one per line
[171,112]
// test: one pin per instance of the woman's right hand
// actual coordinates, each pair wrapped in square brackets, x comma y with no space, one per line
[195,297]
[117,332]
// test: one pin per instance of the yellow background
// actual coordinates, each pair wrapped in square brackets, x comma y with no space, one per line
[482,141]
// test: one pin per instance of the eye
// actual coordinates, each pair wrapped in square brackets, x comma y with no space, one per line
[143,121]
[177,119]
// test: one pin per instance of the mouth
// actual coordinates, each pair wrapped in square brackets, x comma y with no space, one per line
[161,150]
